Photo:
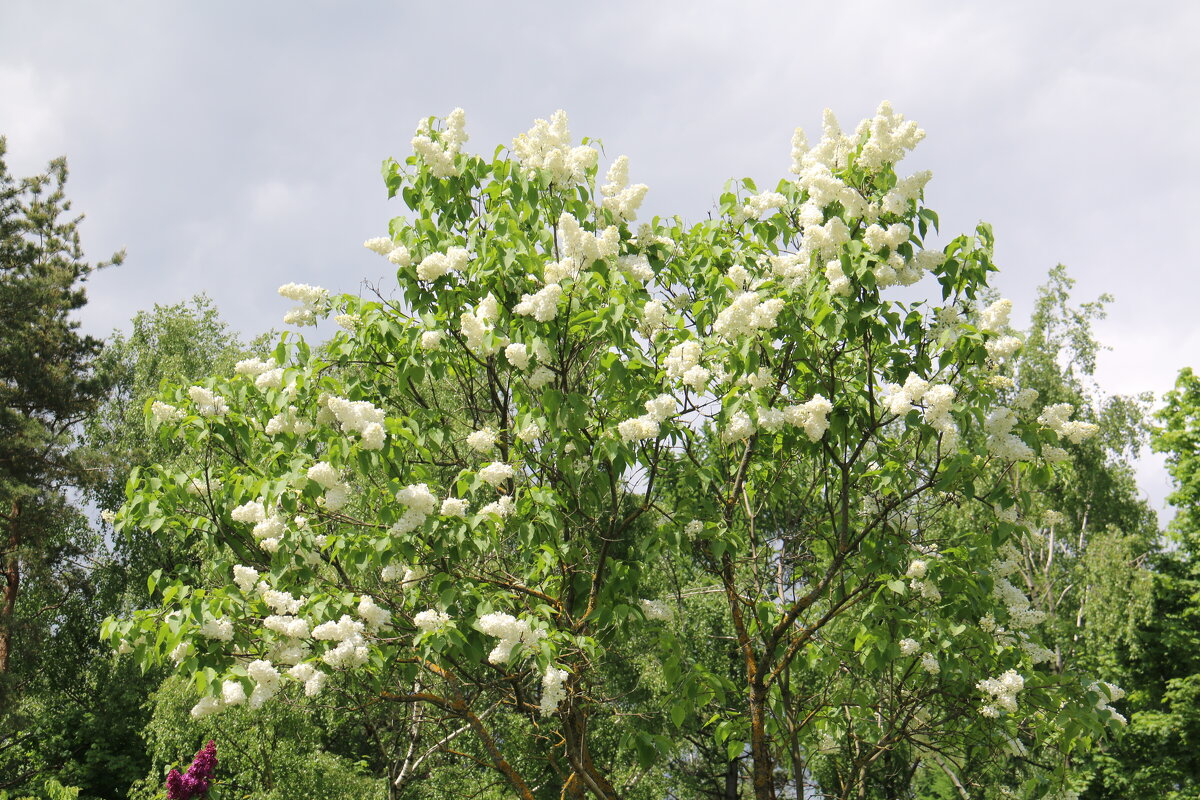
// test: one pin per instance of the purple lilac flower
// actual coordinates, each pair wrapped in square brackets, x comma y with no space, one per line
[196,781]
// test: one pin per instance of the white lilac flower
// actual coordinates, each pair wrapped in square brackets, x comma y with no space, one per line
[374,616]
[553,691]
[220,629]
[233,693]
[517,355]
[245,577]
[324,474]
[429,621]
[510,631]
[546,147]
[435,265]
[482,441]
[496,473]
[542,305]
[208,404]
[454,507]
[206,707]
[252,512]
[165,412]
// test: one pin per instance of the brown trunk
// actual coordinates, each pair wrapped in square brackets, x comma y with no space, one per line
[501,763]
[575,730]
[760,746]
[12,582]
[731,779]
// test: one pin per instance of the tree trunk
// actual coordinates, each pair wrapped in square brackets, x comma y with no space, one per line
[760,745]
[575,730]
[12,582]
[731,779]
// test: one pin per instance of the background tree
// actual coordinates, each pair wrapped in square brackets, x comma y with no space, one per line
[48,385]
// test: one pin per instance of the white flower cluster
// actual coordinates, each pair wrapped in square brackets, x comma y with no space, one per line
[580,248]
[738,428]
[890,138]
[288,422]
[408,576]
[312,300]
[372,614]
[477,324]
[658,410]
[500,508]
[431,340]
[547,147]
[454,507]
[1002,693]
[839,284]
[938,399]
[657,610]
[813,416]
[517,354]
[421,503]
[930,664]
[337,493]
[746,315]
[278,601]
[906,190]
[396,253]
[994,318]
[683,364]
[542,305]
[909,647]
[756,205]
[351,650]
[208,404]
[1109,693]
[553,690]
[358,416]
[165,412]
[1001,440]
[496,473]
[619,197]
[266,374]
[439,155]
[1055,418]
[245,578]
[435,265]
[876,237]
[431,621]
[220,629]
[654,317]
[1021,613]
[540,377]
[266,681]
[510,631]
[312,678]
[482,441]
[287,625]
[251,512]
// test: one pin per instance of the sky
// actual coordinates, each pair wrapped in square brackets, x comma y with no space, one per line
[230,147]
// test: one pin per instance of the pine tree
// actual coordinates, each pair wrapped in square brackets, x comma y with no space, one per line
[48,383]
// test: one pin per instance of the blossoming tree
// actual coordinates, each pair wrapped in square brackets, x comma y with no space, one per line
[458,503]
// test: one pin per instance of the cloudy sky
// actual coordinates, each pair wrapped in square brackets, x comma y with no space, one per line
[230,147]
